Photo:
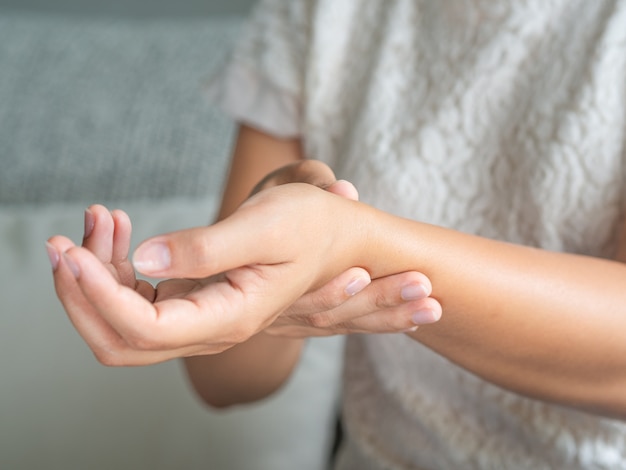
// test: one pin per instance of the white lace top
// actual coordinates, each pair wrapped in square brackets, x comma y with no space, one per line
[503,118]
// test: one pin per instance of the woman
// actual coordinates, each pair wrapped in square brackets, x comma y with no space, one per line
[486,139]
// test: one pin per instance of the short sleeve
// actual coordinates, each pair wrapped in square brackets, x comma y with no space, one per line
[262,83]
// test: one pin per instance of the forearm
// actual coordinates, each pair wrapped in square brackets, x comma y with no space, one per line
[244,373]
[547,325]
[255,368]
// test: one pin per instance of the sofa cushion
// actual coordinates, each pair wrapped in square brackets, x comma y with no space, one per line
[97,108]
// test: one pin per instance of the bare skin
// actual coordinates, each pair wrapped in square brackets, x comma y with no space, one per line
[546,325]
[348,303]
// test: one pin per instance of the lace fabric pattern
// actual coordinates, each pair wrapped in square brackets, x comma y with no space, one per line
[502,118]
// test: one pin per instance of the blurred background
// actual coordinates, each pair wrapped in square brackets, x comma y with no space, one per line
[103,102]
[136,8]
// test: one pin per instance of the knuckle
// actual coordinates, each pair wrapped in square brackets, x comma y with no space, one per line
[138,344]
[109,358]
[330,300]
[320,320]
[242,332]
[240,336]
[199,248]
[140,341]
[110,352]
[379,299]
[379,323]
[346,328]
[313,171]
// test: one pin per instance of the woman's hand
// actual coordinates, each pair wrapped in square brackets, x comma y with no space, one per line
[123,320]
[250,268]
[302,230]
[380,307]
[335,308]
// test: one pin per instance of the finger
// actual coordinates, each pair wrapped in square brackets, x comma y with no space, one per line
[146,290]
[345,189]
[214,315]
[127,357]
[308,171]
[334,293]
[401,319]
[60,243]
[98,236]
[55,247]
[313,172]
[383,293]
[404,291]
[92,328]
[122,355]
[255,234]
[121,236]
[120,248]
[107,345]
[99,307]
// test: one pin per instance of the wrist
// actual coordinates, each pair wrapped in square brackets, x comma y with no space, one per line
[392,244]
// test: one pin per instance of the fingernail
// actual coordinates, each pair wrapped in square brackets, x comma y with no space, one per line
[90,221]
[356,286]
[53,255]
[413,292]
[152,257]
[72,265]
[424,317]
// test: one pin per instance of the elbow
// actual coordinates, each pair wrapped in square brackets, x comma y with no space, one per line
[215,402]
[220,392]
[239,376]
[221,400]
[611,402]
[603,397]
[212,396]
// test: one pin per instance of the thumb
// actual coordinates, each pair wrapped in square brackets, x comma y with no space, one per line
[200,252]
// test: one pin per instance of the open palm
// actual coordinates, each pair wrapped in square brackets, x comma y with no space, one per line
[130,322]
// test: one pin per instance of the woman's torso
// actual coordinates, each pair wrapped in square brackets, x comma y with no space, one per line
[501,118]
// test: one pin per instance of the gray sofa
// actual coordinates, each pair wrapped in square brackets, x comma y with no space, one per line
[102,102]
